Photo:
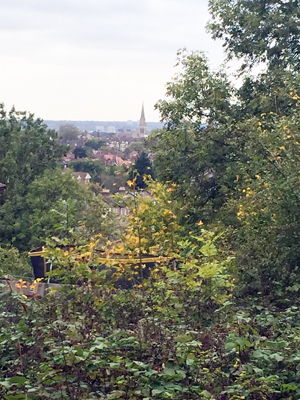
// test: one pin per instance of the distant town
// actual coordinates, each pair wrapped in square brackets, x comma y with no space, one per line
[116,147]
[104,126]
[109,135]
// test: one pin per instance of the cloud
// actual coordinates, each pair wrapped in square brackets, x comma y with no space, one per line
[115,24]
[56,53]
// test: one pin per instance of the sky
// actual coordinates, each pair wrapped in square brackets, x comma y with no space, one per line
[96,59]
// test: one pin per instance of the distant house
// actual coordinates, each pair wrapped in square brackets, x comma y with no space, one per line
[86,135]
[134,155]
[83,177]
[116,206]
[108,159]
[2,188]
[67,159]
[111,159]
[120,161]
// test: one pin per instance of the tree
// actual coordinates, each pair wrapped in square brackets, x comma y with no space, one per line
[196,95]
[138,146]
[56,202]
[268,92]
[152,226]
[141,167]
[68,133]
[95,144]
[59,205]
[190,146]
[258,31]
[234,162]
[126,153]
[27,149]
[79,152]
[12,263]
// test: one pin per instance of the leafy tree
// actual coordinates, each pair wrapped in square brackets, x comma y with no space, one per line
[114,182]
[62,207]
[258,31]
[56,202]
[138,146]
[214,157]
[196,95]
[268,92]
[95,144]
[12,263]
[141,167]
[126,153]
[27,149]
[99,219]
[68,133]
[79,152]
[152,226]
[191,147]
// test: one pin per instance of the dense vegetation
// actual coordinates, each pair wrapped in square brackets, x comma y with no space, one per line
[215,312]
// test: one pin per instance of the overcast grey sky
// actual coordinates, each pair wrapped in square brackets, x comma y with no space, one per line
[96,59]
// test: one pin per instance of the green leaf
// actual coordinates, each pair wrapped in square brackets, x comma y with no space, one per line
[158,390]
[17,379]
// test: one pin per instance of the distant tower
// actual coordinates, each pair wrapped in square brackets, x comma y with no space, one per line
[142,130]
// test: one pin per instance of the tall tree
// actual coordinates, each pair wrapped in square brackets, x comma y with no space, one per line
[56,202]
[68,133]
[79,152]
[189,148]
[235,167]
[258,31]
[27,149]
[141,167]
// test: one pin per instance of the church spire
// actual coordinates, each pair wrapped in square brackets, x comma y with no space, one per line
[142,131]
[143,119]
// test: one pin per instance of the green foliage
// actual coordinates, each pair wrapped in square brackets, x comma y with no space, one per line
[140,147]
[27,149]
[268,92]
[258,31]
[196,95]
[152,226]
[99,219]
[12,263]
[114,177]
[80,152]
[141,167]
[177,336]
[93,341]
[95,144]
[68,133]
[238,174]
[57,202]
[199,299]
